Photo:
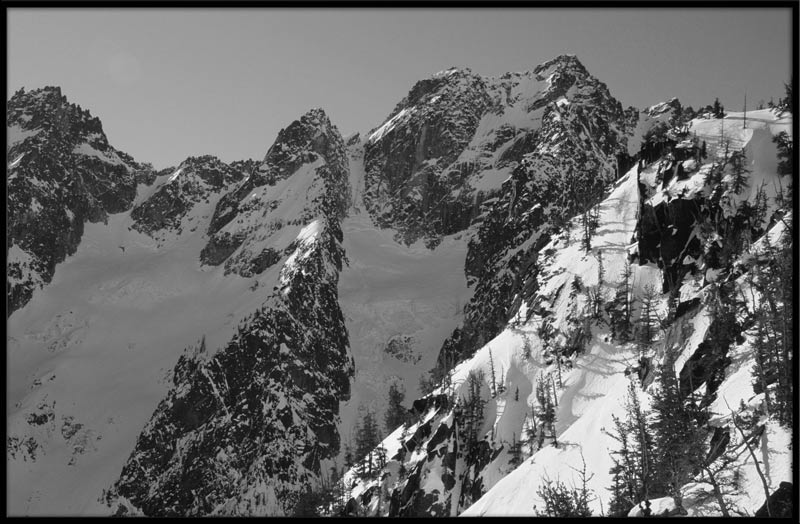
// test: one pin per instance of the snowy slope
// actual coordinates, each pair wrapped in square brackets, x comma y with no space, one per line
[94,349]
[598,373]
[440,478]
[448,240]
[391,291]
[62,172]
[93,353]
[599,395]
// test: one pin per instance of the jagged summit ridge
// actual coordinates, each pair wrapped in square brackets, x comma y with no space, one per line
[195,181]
[448,143]
[508,173]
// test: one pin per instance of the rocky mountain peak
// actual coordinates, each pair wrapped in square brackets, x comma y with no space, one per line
[442,84]
[307,167]
[62,172]
[662,107]
[297,143]
[425,165]
[48,111]
[565,62]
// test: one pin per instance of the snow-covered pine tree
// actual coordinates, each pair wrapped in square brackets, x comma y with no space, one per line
[547,411]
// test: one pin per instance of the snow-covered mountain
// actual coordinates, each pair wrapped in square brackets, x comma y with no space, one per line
[481,442]
[207,339]
[62,172]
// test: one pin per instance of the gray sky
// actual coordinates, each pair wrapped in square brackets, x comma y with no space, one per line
[170,83]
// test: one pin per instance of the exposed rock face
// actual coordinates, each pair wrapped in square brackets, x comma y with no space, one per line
[243,432]
[306,164]
[780,503]
[566,163]
[62,173]
[410,180]
[195,180]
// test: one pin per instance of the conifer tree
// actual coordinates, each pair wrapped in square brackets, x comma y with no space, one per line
[739,171]
[718,110]
[472,410]
[515,451]
[395,414]
[492,375]
[561,500]
[785,146]
[547,408]
[633,473]
[648,319]
[678,439]
[367,438]
[774,328]
[622,305]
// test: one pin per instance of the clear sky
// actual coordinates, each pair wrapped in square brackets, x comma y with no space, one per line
[170,83]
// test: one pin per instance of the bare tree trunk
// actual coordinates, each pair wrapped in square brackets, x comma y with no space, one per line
[717,492]
[755,461]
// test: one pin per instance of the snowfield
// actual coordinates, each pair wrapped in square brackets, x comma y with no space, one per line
[94,350]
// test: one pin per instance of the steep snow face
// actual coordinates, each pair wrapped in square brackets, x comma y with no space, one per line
[584,443]
[63,174]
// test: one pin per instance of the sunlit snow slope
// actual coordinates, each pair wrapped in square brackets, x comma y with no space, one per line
[596,389]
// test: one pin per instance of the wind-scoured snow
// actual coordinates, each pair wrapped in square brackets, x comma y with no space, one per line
[16,134]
